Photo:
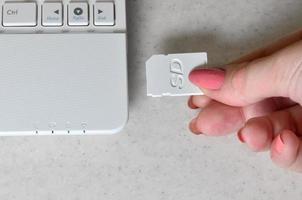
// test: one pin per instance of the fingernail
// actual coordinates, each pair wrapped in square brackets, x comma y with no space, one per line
[279,144]
[211,79]
[193,127]
[240,136]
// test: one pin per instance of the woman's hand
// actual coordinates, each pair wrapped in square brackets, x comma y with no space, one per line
[260,96]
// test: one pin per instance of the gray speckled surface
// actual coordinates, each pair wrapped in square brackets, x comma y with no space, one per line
[155,157]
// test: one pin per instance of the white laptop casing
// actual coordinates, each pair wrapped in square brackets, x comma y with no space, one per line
[68,80]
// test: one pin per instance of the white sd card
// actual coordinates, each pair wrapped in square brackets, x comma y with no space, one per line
[168,75]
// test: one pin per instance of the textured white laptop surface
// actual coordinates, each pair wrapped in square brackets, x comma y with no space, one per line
[63,69]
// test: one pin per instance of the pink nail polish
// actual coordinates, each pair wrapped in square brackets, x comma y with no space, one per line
[279,144]
[211,79]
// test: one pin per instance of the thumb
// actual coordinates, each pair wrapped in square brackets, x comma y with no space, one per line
[277,75]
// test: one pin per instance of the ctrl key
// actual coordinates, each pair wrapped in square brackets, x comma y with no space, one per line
[19,14]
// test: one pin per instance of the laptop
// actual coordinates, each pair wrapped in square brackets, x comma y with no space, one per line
[63,67]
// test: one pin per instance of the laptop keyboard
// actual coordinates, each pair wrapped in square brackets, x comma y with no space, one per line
[49,15]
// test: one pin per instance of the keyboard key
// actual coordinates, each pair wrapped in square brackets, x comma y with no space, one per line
[78,14]
[19,14]
[52,14]
[104,14]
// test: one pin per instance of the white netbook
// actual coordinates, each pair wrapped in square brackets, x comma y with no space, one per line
[63,67]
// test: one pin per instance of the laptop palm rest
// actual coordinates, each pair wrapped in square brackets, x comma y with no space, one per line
[63,83]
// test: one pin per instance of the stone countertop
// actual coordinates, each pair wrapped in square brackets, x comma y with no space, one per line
[156,157]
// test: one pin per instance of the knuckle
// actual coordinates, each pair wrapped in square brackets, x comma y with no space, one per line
[296,83]
[287,75]
[238,80]
[280,73]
